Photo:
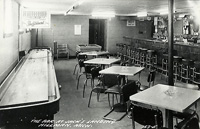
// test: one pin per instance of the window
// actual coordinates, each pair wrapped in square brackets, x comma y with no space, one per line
[8,25]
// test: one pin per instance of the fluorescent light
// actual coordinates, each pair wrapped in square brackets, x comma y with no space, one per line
[142,14]
[164,13]
[106,15]
[181,15]
[74,6]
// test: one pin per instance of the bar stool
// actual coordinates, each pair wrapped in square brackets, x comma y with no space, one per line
[129,59]
[143,53]
[185,69]
[176,66]
[118,49]
[132,57]
[196,73]
[150,59]
[137,56]
[165,65]
[120,52]
[124,49]
[127,54]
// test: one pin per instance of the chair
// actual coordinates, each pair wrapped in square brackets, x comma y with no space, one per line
[105,81]
[189,112]
[81,65]
[146,116]
[88,75]
[110,81]
[79,57]
[62,51]
[125,92]
[189,123]
[150,80]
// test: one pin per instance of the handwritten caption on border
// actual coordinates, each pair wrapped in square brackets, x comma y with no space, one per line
[70,123]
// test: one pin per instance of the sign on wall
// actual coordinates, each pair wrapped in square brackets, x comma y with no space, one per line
[35,19]
[77,29]
[131,23]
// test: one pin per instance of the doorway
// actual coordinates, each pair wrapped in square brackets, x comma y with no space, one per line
[97,32]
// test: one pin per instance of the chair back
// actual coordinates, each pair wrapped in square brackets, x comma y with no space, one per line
[110,80]
[128,90]
[81,63]
[186,85]
[190,123]
[95,71]
[83,57]
[151,77]
[88,69]
[147,116]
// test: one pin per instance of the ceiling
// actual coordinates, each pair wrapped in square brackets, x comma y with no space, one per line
[118,7]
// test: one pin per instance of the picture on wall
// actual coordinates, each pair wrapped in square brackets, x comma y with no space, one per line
[36,19]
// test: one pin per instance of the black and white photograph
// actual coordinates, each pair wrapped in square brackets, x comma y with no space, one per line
[99,64]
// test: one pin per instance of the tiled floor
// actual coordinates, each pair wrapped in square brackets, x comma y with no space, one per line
[74,113]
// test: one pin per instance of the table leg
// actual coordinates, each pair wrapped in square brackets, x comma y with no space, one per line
[168,119]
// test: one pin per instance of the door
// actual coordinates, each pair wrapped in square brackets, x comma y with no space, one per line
[97,32]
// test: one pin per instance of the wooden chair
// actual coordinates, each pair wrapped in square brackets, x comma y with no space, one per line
[62,50]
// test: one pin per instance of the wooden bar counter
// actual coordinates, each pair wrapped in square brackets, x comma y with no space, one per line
[30,91]
[185,50]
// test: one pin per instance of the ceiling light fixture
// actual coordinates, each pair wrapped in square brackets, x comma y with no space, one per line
[104,15]
[142,14]
[75,5]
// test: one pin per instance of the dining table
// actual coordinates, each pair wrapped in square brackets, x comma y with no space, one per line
[95,53]
[123,71]
[168,97]
[102,61]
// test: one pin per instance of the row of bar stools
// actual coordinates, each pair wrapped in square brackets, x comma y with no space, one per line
[151,59]
[177,67]
[186,65]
